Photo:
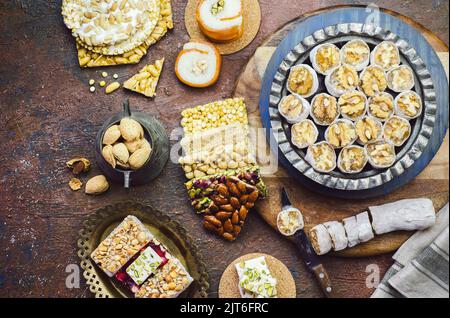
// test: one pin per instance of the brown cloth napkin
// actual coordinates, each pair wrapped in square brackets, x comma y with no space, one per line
[421,265]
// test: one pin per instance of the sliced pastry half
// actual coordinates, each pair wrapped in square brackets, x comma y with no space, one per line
[221,20]
[198,64]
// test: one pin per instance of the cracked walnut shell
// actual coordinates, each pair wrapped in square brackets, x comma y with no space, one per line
[75,184]
[78,165]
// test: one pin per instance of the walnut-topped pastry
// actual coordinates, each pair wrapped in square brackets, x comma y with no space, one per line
[356,53]
[324,109]
[341,133]
[381,106]
[408,105]
[304,133]
[325,57]
[368,129]
[373,80]
[302,80]
[397,130]
[352,105]
[341,80]
[352,159]
[294,108]
[321,156]
[400,79]
[381,153]
[386,55]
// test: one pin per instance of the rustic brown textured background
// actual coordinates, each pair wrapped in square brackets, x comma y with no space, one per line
[49,115]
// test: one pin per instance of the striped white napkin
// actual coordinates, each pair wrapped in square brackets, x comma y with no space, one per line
[421,265]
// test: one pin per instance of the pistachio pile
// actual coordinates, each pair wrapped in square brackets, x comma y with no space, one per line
[125,145]
[218,7]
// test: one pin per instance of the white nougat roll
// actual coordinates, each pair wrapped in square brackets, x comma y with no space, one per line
[337,234]
[320,239]
[403,215]
[351,228]
[365,232]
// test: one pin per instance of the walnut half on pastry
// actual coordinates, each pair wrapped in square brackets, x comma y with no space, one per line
[373,80]
[381,153]
[381,106]
[321,156]
[397,130]
[385,55]
[304,133]
[302,80]
[368,129]
[341,80]
[408,105]
[400,79]
[352,105]
[325,58]
[324,109]
[352,159]
[341,133]
[356,53]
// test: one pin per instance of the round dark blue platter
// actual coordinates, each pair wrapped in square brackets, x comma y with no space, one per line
[415,39]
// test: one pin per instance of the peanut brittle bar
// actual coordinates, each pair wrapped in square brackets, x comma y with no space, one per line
[121,245]
[146,80]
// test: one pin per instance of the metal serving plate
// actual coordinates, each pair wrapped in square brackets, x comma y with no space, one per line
[422,126]
[98,226]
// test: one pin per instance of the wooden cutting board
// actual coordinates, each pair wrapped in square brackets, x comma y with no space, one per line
[433,182]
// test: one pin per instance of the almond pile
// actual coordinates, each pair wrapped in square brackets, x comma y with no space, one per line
[125,145]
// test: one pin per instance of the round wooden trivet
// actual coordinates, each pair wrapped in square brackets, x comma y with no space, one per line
[252,21]
[228,286]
